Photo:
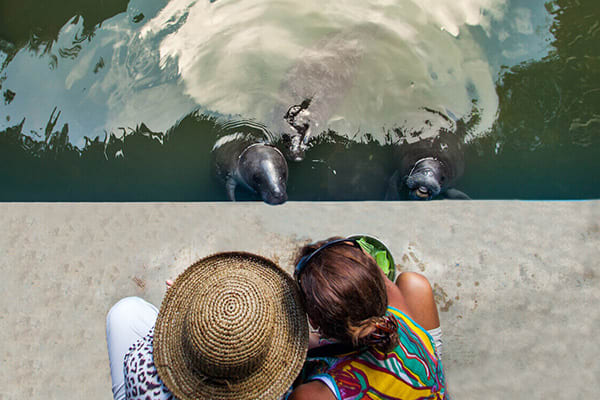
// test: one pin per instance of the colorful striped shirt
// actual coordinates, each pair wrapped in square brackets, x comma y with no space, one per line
[410,371]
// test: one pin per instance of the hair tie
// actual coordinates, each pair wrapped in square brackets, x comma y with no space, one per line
[384,329]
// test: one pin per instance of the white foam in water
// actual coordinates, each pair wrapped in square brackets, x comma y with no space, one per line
[235,57]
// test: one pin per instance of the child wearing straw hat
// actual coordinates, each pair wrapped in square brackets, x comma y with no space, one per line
[231,326]
[379,340]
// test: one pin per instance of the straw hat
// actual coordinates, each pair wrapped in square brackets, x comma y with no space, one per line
[232,326]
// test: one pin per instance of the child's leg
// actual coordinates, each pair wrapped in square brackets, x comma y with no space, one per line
[127,321]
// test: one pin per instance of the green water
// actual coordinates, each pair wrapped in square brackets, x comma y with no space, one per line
[100,104]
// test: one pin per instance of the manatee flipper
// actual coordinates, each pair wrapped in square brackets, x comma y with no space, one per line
[392,192]
[230,185]
[455,194]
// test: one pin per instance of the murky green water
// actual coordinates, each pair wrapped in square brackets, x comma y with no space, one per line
[123,100]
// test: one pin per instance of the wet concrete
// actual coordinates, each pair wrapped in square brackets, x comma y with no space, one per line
[517,283]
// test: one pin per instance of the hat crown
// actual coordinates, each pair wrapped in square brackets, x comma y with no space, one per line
[229,326]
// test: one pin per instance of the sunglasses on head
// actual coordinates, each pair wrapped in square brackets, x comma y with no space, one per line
[373,246]
[304,260]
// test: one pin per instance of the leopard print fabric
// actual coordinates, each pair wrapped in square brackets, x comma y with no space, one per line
[141,377]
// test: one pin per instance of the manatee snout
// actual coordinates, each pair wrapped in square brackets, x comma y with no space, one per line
[274,197]
[265,171]
[423,185]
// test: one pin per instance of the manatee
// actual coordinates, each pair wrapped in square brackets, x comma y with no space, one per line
[428,168]
[242,158]
[314,89]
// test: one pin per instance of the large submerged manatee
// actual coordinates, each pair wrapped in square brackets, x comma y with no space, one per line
[314,88]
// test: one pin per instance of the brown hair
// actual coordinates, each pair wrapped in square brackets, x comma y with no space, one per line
[345,295]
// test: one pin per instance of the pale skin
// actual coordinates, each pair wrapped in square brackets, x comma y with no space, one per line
[412,294]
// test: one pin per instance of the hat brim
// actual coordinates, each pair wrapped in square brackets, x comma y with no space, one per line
[286,353]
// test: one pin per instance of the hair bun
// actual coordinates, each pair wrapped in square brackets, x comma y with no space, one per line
[380,333]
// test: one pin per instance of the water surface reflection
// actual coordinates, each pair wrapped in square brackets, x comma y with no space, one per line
[121,103]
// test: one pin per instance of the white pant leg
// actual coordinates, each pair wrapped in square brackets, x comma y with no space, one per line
[436,334]
[127,321]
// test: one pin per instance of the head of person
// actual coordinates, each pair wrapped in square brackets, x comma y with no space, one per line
[345,294]
[232,326]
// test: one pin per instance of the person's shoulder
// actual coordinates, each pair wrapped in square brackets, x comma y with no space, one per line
[314,390]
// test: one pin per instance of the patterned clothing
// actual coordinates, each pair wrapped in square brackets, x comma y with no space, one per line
[410,371]
[141,377]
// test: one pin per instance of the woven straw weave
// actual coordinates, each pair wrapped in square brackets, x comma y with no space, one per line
[231,327]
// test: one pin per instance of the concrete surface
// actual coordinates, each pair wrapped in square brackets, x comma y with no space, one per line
[517,283]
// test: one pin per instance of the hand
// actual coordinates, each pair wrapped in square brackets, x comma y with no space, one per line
[169,283]
[313,340]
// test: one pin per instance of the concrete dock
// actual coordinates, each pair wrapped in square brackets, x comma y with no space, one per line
[517,283]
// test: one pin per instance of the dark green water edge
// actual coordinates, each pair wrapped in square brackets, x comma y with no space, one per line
[545,143]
